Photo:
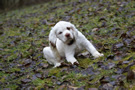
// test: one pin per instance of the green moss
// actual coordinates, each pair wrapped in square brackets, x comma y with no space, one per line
[12,86]
[55,71]
[77,79]
[38,83]
[85,16]
[15,69]
[85,62]
[2,79]
[12,57]
[133,68]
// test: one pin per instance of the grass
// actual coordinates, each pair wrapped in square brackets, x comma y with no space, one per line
[24,34]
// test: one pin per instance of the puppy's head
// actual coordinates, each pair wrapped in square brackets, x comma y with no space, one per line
[65,31]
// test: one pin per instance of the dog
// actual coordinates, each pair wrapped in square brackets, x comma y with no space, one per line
[65,41]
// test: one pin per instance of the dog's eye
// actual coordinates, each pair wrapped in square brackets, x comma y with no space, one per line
[68,28]
[60,32]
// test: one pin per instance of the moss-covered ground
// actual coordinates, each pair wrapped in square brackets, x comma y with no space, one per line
[109,24]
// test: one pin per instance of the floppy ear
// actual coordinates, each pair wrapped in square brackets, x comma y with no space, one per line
[75,31]
[52,38]
[52,43]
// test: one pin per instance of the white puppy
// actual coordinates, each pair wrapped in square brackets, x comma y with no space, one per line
[65,41]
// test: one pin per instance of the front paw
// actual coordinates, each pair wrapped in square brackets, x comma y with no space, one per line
[57,65]
[76,63]
[96,55]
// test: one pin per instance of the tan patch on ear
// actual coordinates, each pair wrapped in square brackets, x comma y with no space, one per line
[72,28]
[52,44]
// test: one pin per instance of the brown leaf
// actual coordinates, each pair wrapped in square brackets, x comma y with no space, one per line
[43,65]
[27,62]
[45,74]
[104,80]
[95,29]
[92,89]
[111,65]
[102,19]
[125,35]
[126,69]
[62,87]
[118,45]
[24,81]
[38,75]
[130,75]
[127,41]
[106,86]
[72,88]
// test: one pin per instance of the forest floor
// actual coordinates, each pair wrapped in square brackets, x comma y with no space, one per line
[109,24]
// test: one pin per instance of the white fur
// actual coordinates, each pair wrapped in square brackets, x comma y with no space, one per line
[61,46]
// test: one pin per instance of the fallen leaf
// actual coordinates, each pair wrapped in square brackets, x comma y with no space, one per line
[127,41]
[92,89]
[126,69]
[107,86]
[43,65]
[130,76]
[102,19]
[111,65]
[104,80]
[62,87]
[95,29]
[72,88]
[38,75]
[27,62]
[24,81]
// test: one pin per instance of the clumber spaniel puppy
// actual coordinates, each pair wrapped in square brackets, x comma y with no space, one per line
[64,42]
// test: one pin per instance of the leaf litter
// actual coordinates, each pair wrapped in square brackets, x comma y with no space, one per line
[108,24]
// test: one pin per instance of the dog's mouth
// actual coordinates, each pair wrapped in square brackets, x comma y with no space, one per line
[70,42]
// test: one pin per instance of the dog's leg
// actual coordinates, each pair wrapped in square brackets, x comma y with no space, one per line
[49,55]
[88,45]
[69,53]
[70,58]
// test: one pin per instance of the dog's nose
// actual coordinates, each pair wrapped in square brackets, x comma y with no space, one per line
[67,35]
